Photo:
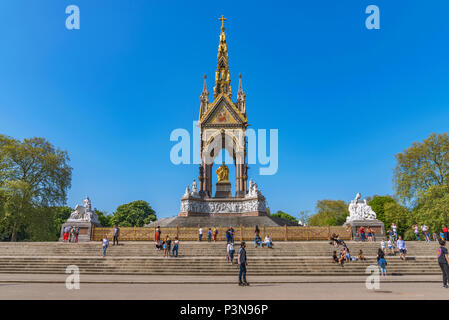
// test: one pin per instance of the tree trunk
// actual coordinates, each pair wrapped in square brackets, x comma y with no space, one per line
[14,232]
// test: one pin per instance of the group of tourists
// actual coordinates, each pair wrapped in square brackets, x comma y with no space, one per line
[258,240]
[367,234]
[166,244]
[71,234]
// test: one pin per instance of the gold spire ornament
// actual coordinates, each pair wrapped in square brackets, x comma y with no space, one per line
[222,75]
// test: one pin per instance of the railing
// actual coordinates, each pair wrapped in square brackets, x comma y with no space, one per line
[284,233]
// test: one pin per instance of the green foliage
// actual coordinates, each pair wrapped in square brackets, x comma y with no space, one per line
[378,205]
[136,213]
[104,218]
[421,166]
[329,212]
[283,215]
[433,208]
[34,175]
[400,215]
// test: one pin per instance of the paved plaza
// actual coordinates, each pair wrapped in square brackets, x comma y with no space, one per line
[282,291]
[221,288]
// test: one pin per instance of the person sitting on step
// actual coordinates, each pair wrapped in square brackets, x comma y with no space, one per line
[257,241]
[267,241]
[361,256]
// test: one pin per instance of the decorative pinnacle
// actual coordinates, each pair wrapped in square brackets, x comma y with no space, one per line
[222,19]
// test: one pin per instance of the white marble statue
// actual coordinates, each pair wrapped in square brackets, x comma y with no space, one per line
[253,190]
[360,210]
[84,213]
[194,187]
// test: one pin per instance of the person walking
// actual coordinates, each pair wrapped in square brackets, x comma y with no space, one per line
[200,234]
[168,246]
[257,231]
[66,234]
[443,261]
[231,233]
[72,234]
[77,233]
[230,251]
[383,246]
[243,263]
[362,233]
[425,232]
[209,235]
[157,235]
[116,235]
[382,265]
[228,236]
[391,246]
[215,232]
[402,247]
[175,248]
[105,244]
[416,231]
[394,227]
[445,231]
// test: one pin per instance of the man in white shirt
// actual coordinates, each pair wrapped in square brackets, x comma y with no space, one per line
[425,232]
[200,234]
[402,247]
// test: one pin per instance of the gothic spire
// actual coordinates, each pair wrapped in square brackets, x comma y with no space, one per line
[241,97]
[222,75]
[204,97]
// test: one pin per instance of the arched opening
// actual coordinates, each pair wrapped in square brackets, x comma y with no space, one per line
[213,156]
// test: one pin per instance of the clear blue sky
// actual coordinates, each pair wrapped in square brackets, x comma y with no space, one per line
[345,99]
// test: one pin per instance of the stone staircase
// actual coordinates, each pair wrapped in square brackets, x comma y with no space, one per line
[141,258]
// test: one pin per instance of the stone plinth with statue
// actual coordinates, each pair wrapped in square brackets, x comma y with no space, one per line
[84,218]
[362,215]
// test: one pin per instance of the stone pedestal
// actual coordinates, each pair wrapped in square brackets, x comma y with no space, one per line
[85,230]
[223,190]
[376,226]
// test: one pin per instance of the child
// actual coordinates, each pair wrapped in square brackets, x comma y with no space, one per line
[391,246]
[382,245]
[361,256]
[164,247]
[383,266]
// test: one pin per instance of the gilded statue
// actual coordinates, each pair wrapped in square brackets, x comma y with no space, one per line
[223,173]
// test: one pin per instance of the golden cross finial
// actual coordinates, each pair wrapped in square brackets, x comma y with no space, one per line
[222,19]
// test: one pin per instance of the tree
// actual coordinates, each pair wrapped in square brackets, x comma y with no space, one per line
[400,215]
[17,205]
[421,166]
[104,218]
[59,217]
[34,175]
[136,213]
[41,165]
[378,205]
[432,208]
[329,212]
[283,215]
